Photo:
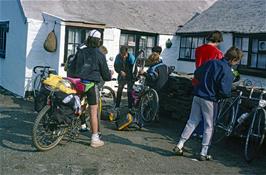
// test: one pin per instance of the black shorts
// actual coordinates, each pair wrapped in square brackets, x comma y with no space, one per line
[93,95]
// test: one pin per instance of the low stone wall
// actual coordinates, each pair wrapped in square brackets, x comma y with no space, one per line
[176,98]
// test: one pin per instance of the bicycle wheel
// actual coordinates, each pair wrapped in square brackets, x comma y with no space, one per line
[108,97]
[255,135]
[225,122]
[149,105]
[37,85]
[46,133]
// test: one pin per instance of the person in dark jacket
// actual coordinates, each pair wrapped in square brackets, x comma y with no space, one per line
[124,62]
[157,73]
[91,66]
[213,81]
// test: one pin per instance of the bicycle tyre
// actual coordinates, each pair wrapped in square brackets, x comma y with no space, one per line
[149,105]
[256,135]
[37,85]
[108,97]
[45,121]
[225,122]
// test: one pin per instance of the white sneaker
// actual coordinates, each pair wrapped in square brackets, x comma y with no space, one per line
[97,143]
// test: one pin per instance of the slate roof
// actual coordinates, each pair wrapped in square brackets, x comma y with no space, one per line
[240,16]
[155,16]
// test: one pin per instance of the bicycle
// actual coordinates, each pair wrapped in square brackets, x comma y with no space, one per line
[226,120]
[57,119]
[257,128]
[42,73]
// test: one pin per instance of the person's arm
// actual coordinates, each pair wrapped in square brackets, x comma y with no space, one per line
[104,70]
[117,64]
[225,84]
[131,59]
[151,74]
[198,58]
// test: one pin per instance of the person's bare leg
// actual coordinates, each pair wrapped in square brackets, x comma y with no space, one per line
[93,118]
[95,139]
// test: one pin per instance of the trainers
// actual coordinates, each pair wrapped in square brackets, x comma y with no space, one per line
[204,158]
[178,151]
[97,143]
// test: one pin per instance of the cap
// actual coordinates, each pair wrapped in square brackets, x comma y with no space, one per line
[95,33]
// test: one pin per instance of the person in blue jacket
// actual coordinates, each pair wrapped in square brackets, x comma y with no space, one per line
[123,65]
[213,81]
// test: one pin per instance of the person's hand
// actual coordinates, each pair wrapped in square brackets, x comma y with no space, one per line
[123,74]
[111,72]
[141,72]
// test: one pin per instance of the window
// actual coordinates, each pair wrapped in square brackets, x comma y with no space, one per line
[188,45]
[254,49]
[74,37]
[137,41]
[4,26]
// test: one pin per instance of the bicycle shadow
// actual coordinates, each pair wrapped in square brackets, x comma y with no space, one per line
[15,127]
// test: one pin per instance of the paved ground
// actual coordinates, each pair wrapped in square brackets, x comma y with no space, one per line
[125,152]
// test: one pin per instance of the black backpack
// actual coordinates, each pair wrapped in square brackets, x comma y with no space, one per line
[70,65]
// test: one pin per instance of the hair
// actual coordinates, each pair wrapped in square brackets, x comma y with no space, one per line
[123,49]
[215,37]
[157,49]
[233,54]
[103,49]
[153,58]
[94,42]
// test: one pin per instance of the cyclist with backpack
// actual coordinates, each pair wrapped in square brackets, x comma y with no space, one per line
[90,67]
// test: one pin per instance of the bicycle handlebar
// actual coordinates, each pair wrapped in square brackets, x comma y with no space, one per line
[40,67]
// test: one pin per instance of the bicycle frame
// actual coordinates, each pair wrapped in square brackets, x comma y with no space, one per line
[235,108]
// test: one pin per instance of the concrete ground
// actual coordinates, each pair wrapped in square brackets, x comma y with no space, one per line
[125,152]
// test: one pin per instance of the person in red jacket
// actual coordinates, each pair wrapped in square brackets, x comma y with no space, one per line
[205,53]
[209,51]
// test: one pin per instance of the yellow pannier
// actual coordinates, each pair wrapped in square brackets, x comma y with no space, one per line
[57,82]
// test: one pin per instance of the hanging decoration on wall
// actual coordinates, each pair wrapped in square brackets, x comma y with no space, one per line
[50,43]
[168,43]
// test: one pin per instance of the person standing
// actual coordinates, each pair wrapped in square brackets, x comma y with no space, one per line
[209,51]
[91,66]
[123,65]
[204,53]
[213,82]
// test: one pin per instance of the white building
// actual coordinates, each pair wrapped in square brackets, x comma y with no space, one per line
[25,24]
[243,24]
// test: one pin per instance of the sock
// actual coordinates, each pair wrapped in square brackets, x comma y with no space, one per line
[204,150]
[181,143]
[95,137]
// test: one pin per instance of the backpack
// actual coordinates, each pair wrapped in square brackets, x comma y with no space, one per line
[70,65]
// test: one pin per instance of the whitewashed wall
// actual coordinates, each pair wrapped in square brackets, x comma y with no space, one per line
[12,68]
[36,54]
[169,55]
[111,37]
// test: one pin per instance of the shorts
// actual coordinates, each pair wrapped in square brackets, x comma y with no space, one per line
[93,95]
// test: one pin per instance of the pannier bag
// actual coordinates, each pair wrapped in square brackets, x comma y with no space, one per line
[124,122]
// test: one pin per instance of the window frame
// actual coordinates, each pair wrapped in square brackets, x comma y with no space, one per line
[137,40]
[247,69]
[4,29]
[191,47]
[82,39]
